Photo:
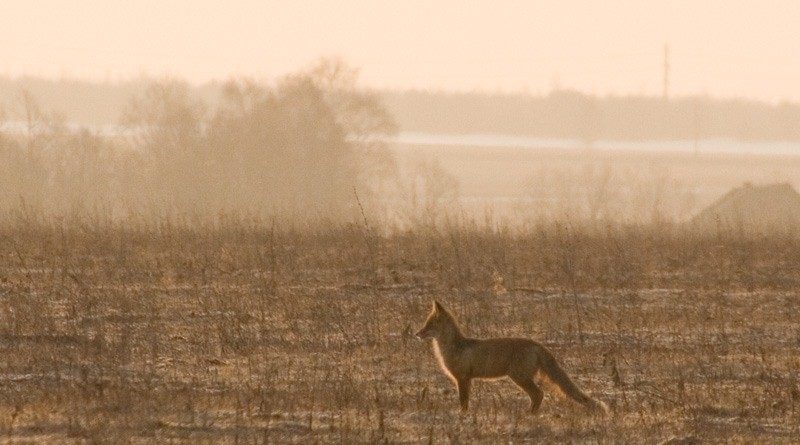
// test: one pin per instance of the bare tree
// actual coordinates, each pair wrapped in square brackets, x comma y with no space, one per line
[166,126]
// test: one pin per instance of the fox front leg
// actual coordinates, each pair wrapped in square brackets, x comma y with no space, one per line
[463,393]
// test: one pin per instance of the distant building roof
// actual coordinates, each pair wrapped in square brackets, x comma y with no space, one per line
[753,208]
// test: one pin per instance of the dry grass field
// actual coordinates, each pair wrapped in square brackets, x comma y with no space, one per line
[240,333]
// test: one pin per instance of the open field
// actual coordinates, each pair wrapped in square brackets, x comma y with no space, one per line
[519,182]
[244,334]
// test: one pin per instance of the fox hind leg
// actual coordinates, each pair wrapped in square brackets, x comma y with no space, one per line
[530,387]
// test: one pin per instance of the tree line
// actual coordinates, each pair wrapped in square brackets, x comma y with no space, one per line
[298,148]
[558,114]
[574,115]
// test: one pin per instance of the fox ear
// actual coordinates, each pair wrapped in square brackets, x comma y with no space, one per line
[437,307]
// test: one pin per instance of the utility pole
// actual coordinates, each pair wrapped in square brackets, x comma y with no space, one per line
[666,72]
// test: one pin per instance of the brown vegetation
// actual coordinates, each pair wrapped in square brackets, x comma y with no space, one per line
[248,333]
[201,279]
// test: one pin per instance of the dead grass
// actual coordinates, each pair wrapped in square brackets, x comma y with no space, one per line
[245,334]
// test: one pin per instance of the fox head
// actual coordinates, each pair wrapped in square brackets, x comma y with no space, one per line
[438,324]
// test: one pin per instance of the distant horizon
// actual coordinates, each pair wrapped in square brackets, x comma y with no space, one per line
[555,86]
[148,78]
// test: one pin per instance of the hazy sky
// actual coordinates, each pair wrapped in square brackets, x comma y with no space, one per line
[732,48]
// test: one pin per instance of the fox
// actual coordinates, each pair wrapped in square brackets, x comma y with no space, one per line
[463,358]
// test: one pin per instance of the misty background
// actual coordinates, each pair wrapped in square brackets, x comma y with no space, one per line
[420,114]
[315,147]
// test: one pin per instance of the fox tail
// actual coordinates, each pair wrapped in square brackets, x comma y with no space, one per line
[554,374]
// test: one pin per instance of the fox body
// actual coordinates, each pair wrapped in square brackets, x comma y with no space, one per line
[463,359]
